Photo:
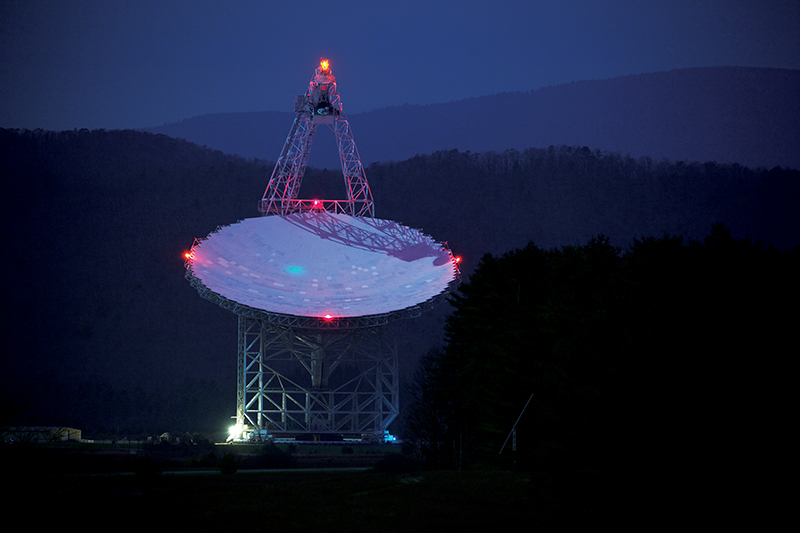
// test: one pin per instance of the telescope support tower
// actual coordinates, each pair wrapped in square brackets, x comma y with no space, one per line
[315,288]
[287,384]
[320,105]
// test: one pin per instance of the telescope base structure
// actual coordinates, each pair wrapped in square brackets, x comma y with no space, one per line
[294,381]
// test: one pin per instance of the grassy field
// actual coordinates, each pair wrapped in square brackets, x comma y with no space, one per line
[99,491]
[295,501]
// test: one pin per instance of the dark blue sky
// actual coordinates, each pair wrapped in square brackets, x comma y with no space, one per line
[128,64]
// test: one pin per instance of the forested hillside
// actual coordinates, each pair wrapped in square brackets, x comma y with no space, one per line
[102,332]
[749,116]
[494,202]
[637,372]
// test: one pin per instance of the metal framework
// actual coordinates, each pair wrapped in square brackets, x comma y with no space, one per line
[287,384]
[308,375]
[320,104]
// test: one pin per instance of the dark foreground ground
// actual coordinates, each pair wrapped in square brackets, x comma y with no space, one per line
[295,501]
[95,497]
[356,488]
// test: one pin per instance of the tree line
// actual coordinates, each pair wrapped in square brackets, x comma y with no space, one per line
[672,357]
[98,221]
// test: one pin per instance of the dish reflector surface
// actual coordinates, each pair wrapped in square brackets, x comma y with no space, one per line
[320,264]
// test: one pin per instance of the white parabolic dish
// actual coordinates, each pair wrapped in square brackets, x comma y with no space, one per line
[320,264]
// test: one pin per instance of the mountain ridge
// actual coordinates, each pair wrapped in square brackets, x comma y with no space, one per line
[102,331]
[744,115]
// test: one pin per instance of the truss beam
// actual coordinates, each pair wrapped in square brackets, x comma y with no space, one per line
[293,381]
[320,105]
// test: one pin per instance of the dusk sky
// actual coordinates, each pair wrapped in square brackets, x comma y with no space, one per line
[131,64]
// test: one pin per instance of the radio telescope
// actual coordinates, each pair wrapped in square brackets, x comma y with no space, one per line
[316,284]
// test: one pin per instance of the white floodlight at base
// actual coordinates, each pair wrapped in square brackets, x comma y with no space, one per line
[315,284]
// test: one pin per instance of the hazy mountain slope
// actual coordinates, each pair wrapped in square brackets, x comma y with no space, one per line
[749,116]
[494,202]
[100,329]
[254,135]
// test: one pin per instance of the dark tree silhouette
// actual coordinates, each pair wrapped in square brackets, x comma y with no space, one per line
[662,364]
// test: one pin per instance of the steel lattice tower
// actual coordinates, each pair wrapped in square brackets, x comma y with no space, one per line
[287,382]
[320,104]
[302,369]
[267,396]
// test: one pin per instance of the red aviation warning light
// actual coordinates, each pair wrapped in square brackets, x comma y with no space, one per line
[314,284]
[320,105]
[382,267]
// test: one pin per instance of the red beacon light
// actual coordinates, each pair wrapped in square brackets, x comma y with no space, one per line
[324,65]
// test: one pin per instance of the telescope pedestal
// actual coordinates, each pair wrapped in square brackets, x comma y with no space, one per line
[299,381]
